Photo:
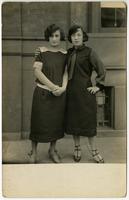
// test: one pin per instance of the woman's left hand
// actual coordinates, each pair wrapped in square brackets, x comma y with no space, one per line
[59,91]
[93,89]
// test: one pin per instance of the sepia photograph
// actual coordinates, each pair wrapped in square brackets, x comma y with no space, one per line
[64,90]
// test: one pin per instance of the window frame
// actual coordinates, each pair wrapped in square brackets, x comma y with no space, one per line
[95,21]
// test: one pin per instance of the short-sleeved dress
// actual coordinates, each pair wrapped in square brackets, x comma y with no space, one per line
[47,115]
[81,109]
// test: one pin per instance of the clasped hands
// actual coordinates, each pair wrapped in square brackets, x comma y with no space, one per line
[57,91]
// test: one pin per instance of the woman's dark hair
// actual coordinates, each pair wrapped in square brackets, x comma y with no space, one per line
[52,29]
[74,29]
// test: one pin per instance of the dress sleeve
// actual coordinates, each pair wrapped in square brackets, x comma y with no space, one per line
[99,68]
[38,63]
[38,55]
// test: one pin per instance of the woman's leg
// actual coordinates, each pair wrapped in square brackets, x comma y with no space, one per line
[53,152]
[94,151]
[77,149]
[52,146]
[33,153]
[34,147]
[76,139]
[92,142]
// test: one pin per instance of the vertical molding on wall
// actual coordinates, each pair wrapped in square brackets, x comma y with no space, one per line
[21,73]
[12,68]
[95,17]
[120,108]
[79,14]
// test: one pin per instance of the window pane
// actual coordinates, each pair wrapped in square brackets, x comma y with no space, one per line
[121,17]
[113,14]
[113,17]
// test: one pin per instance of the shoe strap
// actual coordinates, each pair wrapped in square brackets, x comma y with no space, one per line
[95,152]
[78,147]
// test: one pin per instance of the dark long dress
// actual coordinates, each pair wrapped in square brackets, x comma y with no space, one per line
[47,117]
[81,106]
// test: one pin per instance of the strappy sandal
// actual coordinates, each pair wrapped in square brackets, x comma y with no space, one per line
[96,156]
[77,153]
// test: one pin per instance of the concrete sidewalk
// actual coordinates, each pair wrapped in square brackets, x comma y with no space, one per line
[113,149]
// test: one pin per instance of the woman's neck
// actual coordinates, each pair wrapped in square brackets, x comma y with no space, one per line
[77,47]
[54,48]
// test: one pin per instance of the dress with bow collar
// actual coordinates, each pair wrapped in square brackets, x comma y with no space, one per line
[81,104]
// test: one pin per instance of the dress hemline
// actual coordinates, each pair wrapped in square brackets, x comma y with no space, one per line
[86,133]
[43,140]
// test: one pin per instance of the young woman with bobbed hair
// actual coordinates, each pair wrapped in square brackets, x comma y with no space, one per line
[48,106]
[81,106]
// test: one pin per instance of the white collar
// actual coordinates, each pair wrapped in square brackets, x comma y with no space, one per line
[44,49]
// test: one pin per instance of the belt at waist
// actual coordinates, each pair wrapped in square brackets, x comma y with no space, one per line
[43,86]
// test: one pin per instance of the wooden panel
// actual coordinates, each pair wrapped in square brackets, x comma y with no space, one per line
[28,88]
[37,16]
[114,78]
[120,108]
[11,46]
[28,84]
[11,19]
[11,94]
[27,64]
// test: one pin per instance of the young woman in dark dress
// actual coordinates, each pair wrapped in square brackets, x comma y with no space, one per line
[48,106]
[81,101]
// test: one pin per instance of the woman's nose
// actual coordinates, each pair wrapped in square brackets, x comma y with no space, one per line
[76,37]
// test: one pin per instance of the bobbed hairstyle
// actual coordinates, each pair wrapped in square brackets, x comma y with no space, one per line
[74,29]
[52,29]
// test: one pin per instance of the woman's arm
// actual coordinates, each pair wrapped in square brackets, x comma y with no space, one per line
[100,70]
[42,78]
[38,65]
[60,90]
[65,79]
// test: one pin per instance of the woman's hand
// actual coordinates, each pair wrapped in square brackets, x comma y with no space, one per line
[37,52]
[93,89]
[58,91]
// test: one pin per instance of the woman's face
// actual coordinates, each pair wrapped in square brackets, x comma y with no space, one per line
[55,38]
[77,38]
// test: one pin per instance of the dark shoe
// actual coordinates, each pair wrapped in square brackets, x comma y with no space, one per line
[97,157]
[77,153]
[54,156]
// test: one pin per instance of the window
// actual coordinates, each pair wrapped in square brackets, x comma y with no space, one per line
[107,17]
[113,15]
